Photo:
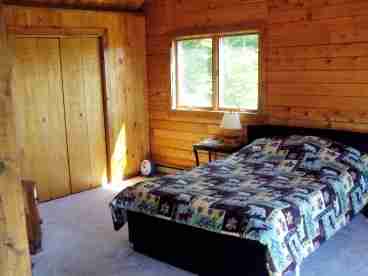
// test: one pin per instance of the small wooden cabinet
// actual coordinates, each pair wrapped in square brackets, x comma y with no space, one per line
[365,211]
[33,219]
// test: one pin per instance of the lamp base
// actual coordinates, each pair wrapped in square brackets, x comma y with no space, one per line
[232,137]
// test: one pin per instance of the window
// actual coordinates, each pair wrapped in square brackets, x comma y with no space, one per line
[216,72]
[195,72]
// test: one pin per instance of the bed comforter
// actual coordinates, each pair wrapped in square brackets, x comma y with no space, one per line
[290,194]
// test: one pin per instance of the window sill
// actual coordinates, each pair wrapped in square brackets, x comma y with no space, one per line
[209,111]
[213,117]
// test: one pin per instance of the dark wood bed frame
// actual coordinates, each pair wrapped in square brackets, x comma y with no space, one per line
[211,254]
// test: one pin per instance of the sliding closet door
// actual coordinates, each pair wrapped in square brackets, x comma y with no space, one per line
[40,116]
[81,71]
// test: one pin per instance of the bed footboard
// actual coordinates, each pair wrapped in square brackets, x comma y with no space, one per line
[199,251]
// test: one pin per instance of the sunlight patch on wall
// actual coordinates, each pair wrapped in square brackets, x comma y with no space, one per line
[119,156]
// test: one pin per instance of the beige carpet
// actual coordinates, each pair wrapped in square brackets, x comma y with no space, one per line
[79,241]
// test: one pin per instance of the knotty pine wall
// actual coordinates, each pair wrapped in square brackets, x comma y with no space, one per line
[315,66]
[14,256]
[125,74]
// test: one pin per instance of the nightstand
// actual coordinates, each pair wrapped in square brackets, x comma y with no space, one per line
[214,146]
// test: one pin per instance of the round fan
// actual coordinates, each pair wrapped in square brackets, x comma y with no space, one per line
[148,168]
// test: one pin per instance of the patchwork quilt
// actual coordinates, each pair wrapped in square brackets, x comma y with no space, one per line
[290,194]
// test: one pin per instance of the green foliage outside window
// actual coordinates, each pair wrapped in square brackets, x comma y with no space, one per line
[195,72]
[238,72]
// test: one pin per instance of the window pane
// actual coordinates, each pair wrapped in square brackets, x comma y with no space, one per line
[239,72]
[195,73]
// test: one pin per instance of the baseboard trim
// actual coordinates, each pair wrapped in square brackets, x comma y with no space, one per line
[168,170]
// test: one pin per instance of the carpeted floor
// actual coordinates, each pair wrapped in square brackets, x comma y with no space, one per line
[79,240]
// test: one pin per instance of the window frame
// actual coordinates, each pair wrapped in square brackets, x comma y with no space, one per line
[182,107]
[216,37]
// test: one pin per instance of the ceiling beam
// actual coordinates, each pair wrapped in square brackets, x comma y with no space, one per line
[111,5]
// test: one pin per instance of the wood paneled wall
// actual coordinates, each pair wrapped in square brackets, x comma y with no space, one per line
[125,75]
[14,256]
[315,66]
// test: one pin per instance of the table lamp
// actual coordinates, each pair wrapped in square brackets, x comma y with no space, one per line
[232,128]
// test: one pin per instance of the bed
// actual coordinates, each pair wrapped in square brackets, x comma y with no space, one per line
[259,212]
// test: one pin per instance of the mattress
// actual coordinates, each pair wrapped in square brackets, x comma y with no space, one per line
[291,194]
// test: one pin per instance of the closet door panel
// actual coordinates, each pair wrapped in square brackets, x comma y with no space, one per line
[75,112]
[84,112]
[40,116]
[54,129]
[91,68]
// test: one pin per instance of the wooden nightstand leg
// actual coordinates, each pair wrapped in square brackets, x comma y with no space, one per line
[209,156]
[196,156]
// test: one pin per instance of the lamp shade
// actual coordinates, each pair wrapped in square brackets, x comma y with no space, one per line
[231,121]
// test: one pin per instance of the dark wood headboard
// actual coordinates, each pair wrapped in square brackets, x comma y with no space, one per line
[354,139]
